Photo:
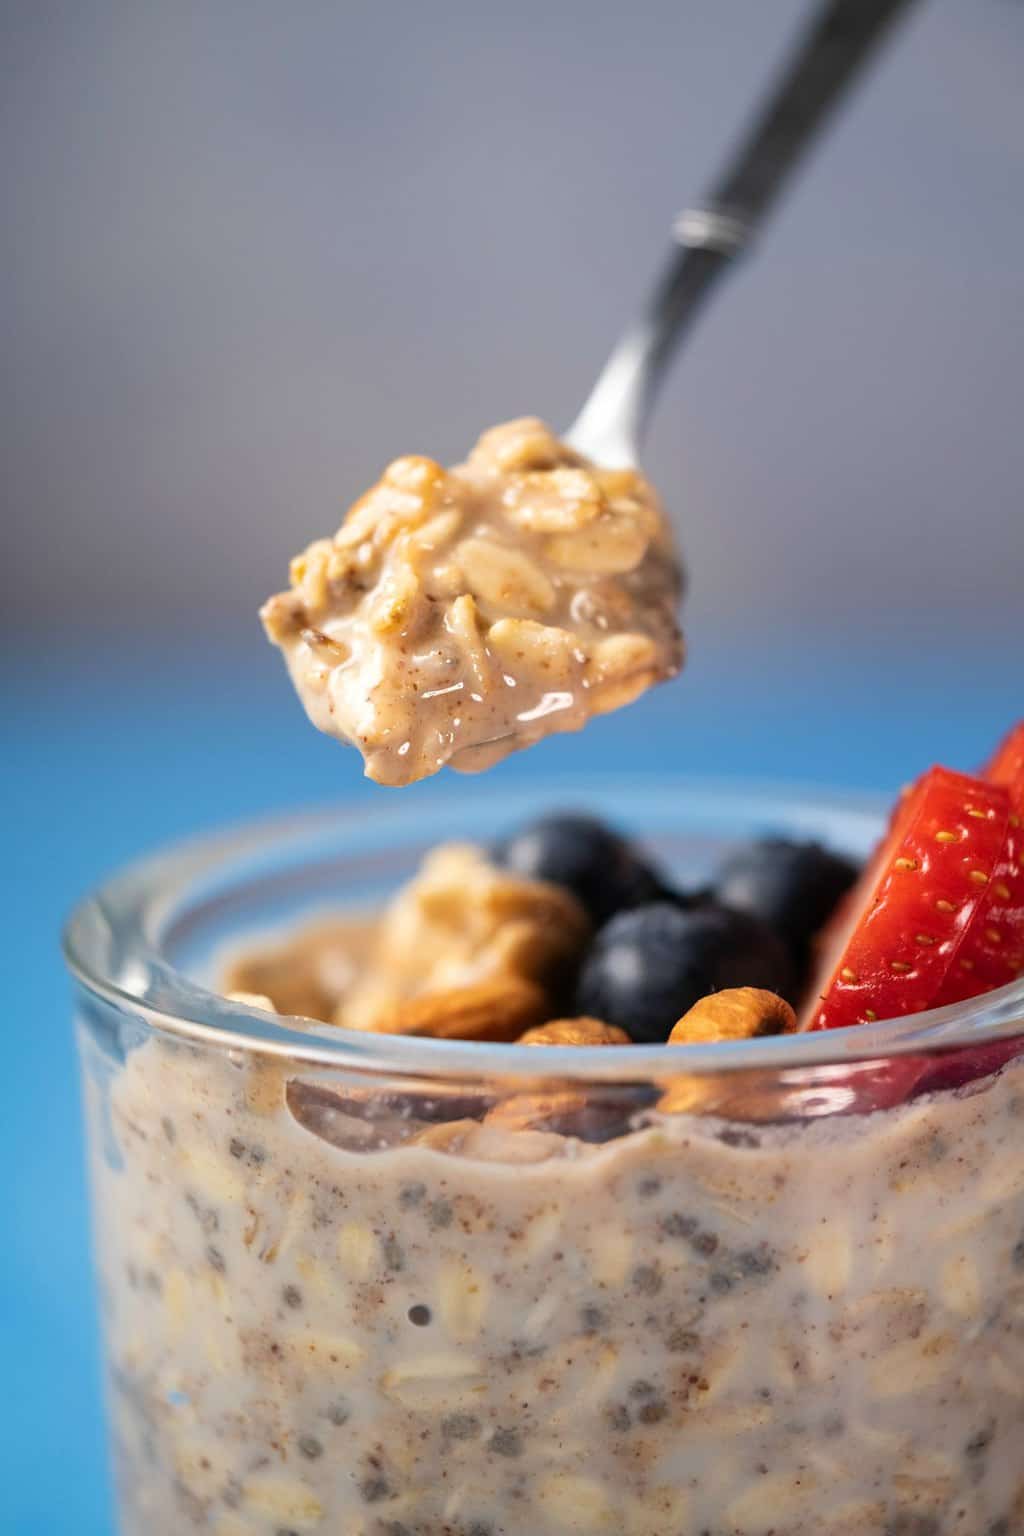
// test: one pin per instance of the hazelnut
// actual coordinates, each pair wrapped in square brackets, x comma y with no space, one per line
[736,1013]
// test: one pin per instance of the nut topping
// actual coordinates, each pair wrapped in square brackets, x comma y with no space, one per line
[484,1010]
[460,922]
[582,1031]
[736,1013]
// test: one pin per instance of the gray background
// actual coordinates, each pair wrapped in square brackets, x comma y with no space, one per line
[252,249]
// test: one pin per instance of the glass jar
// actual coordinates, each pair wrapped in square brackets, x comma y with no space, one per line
[776,1289]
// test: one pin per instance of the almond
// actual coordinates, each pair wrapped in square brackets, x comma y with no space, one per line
[497,1009]
[737,1013]
[583,1031]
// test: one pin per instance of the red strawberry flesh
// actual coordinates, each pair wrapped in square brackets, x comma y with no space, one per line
[902,929]
[992,952]
[1007,766]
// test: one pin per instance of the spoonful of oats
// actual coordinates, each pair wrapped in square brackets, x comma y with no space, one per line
[461,614]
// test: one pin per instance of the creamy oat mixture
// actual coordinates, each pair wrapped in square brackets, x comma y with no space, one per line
[342,1304]
[458,615]
[322,1321]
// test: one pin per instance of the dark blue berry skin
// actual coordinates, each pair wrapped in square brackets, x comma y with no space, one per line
[600,868]
[646,967]
[793,887]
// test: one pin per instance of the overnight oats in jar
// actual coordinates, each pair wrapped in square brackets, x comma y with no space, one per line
[372,1262]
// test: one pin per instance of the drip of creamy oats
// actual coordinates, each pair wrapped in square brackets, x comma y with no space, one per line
[459,615]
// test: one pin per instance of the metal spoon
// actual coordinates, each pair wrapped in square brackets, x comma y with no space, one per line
[827,58]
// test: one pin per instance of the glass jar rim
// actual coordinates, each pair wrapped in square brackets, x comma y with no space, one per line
[140,903]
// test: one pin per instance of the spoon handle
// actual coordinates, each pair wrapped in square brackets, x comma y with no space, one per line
[824,63]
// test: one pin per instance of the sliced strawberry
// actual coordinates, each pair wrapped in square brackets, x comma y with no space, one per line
[1007,766]
[881,1084]
[955,1069]
[992,952]
[901,931]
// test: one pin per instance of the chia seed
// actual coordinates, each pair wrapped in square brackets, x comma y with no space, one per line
[739,1139]
[647,1279]
[592,1319]
[756,1261]
[1017,1257]
[215,1259]
[619,1418]
[688,1230]
[292,1297]
[907,1523]
[974,1452]
[648,1187]
[678,1225]
[338,1412]
[681,1341]
[412,1195]
[507,1442]
[374,1488]
[978,1444]
[420,1316]
[394,1258]
[521,1351]
[441,1214]
[749,1263]
[206,1216]
[167,1126]
[460,1426]
[310,1447]
[254,1156]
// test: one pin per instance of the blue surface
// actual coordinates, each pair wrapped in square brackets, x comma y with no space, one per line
[113,749]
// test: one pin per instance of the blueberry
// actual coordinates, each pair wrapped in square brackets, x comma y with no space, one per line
[599,867]
[646,967]
[794,887]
